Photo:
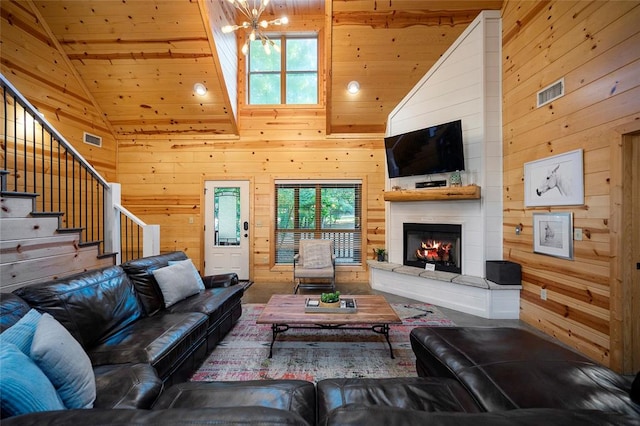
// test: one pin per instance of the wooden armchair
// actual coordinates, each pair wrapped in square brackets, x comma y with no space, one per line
[314,266]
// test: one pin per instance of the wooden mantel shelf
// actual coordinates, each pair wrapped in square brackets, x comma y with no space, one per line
[469,192]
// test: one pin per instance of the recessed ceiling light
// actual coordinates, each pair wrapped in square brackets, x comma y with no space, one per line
[353,87]
[200,89]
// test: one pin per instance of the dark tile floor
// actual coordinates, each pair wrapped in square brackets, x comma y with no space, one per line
[261,292]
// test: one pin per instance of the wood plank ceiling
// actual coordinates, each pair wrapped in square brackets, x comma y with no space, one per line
[139,59]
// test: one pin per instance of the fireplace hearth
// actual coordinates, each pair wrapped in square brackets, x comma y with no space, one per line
[439,244]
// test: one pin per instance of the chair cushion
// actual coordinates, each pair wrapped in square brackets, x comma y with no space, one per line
[25,388]
[317,254]
[64,362]
[177,282]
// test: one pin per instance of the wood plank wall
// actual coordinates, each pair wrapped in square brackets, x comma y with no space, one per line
[32,62]
[595,47]
[162,181]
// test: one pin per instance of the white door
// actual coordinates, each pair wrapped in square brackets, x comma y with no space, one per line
[226,232]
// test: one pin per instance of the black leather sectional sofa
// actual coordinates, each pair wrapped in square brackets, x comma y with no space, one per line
[136,346]
[143,354]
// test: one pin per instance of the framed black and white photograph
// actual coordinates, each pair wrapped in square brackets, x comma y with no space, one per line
[555,181]
[553,234]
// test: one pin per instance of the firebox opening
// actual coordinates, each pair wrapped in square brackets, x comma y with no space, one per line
[436,243]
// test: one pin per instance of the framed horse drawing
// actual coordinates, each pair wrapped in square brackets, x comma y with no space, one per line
[555,181]
[553,234]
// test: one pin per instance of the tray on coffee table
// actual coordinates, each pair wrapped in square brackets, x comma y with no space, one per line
[347,306]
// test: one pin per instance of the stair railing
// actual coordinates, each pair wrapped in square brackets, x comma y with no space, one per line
[41,162]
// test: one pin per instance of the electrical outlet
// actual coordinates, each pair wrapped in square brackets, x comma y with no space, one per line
[190,219]
[577,234]
[543,293]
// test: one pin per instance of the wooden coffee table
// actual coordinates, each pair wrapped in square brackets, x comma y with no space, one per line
[286,311]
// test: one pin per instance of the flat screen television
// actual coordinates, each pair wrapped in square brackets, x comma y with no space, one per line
[436,149]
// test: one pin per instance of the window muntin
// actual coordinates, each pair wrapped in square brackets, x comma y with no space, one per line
[319,210]
[289,77]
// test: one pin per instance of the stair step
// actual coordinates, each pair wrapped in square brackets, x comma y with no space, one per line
[17,274]
[35,248]
[14,207]
[30,227]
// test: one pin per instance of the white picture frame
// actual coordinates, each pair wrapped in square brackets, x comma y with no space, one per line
[555,181]
[553,234]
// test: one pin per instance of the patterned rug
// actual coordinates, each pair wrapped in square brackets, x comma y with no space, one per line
[316,354]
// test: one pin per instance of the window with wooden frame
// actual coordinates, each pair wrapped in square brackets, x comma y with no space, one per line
[330,210]
[289,77]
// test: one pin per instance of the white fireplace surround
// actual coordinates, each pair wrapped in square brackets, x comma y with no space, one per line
[465,84]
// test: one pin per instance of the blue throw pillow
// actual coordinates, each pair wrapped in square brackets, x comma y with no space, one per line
[64,362]
[21,333]
[25,388]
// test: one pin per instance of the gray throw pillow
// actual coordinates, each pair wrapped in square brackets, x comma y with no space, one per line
[196,274]
[176,282]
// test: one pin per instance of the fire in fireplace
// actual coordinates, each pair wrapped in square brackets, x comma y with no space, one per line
[436,243]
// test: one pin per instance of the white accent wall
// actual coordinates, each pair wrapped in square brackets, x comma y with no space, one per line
[464,84]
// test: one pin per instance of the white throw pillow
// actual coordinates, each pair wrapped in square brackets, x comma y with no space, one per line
[64,362]
[176,282]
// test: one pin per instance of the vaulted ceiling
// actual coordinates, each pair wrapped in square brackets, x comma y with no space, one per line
[139,59]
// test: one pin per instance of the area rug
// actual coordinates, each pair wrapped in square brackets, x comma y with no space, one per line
[316,354]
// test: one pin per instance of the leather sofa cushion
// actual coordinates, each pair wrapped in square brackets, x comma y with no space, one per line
[140,271]
[358,415]
[126,386]
[237,416]
[12,308]
[508,368]
[214,302]
[297,396]
[90,304]
[411,393]
[161,340]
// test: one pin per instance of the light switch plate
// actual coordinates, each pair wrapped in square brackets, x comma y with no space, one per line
[577,234]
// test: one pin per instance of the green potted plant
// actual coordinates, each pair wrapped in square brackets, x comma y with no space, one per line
[331,300]
[380,254]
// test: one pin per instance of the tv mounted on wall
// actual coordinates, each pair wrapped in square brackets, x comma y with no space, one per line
[436,149]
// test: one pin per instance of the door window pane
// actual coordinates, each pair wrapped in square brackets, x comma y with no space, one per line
[226,212]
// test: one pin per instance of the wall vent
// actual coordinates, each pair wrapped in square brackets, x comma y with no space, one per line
[92,139]
[551,92]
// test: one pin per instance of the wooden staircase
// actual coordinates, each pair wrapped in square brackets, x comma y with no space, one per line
[33,246]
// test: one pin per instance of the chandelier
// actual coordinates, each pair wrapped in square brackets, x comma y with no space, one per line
[254,24]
